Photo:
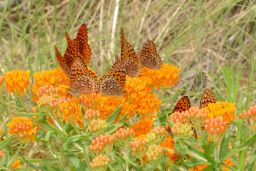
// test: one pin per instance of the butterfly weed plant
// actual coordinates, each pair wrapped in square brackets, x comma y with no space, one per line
[77,120]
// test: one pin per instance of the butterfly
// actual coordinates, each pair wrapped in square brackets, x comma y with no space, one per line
[207,98]
[81,40]
[129,58]
[82,80]
[182,105]
[149,56]
[113,82]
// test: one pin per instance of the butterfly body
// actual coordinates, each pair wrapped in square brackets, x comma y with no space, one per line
[149,56]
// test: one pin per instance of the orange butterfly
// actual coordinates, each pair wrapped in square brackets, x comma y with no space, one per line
[149,56]
[207,97]
[129,57]
[113,82]
[82,80]
[182,105]
[81,39]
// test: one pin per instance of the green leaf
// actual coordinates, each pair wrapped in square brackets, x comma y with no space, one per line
[111,119]
[75,161]
[224,147]
[209,151]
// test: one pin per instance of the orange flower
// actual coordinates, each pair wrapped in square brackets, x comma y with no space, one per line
[70,111]
[224,109]
[23,128]
[100,161]
[100,143]
[167,75]
[55,78]
[154,151]
[138,146]
[250,114]
[199,168]
[16,164]
[123,133]
[17,81]
[215,126]
[143,126]
[168,144]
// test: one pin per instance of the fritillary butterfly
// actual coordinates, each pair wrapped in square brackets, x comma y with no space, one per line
[149,56]
[82,80]
[81,41]
[113,82]
[182,105]
[129,57]
[207,98]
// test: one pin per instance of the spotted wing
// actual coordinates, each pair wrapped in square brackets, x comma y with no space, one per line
[113,82]
[61,61]
[82,40]
[82,80]
[207,98]
[71,51]
[149,56]
[182,105]
[129,57]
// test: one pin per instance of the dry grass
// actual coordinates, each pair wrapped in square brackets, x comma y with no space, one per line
[201,37]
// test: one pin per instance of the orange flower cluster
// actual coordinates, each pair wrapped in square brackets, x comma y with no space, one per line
[97,124]
[182,129]
[70,111]
[250,114]
[100,161]
[203,166]
[138,146]
[223,109]
[168,144]
[143,126]
[23,128]
[91,114]
[100,143]
[17,81]
[167,75]
[52,96]
[55,78]
[16,164]
[123,133]
[154,152]
[194,113]
[160,130]
[215,126]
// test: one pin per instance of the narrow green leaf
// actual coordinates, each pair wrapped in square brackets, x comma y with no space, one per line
[110,120]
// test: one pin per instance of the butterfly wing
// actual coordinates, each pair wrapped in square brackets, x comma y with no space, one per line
[207,98]
[182,105]
[71,51]
[82,80]
[113,83]
[82,40]
[149,56]
[61,61]
[129,57]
